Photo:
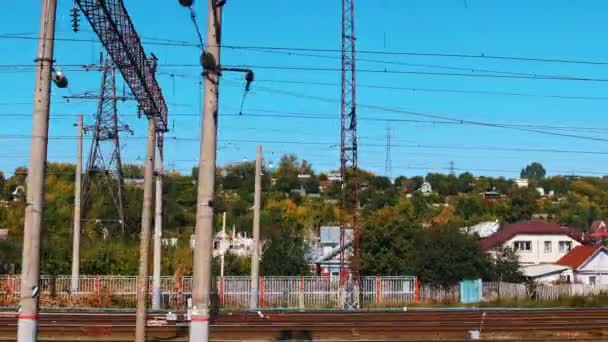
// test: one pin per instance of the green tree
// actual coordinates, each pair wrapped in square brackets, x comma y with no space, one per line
[465,182]
[2,185]
[287,174]
[445,185]
[389,247]
[444,256]
[469,207]
[312,185]
[233,265]
[505,266]
[560,185]
[533,172]
[284,250]
[523,203]
[132,171]
[285,255]
[10,256]
[415,183]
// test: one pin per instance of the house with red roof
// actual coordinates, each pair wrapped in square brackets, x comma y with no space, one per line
[589,264]
[598,230]
[535,241]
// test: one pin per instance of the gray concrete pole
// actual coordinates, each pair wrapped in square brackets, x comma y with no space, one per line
[255,257]
[144,247]
[203,232]
[30,267]
[158,229]
[77,218]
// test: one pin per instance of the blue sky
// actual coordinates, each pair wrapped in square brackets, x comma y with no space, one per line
[558,29]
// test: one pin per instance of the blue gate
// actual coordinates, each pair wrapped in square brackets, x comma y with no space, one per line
[470,291]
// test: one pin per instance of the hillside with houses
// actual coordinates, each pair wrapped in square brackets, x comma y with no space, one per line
[441,227]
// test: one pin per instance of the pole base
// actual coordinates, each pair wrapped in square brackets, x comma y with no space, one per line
[27,330]
[199,329]
[156,295]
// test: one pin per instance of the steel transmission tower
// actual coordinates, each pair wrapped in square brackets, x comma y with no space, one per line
[104,155]
[388,164]
[348,151]
[104,166]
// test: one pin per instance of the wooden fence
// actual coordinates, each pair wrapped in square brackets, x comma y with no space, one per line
[559,291]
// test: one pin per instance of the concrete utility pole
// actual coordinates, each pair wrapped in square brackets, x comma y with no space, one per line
[199,325]
[77,196]
[30,269]
[158,228]
[255,257]
[146,221]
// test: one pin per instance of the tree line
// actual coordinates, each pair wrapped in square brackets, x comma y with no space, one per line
[403,230]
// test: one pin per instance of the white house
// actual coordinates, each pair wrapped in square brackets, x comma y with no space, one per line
[521,182]
[334,177]
[483,229]
[535,241]
[543,193]
[589,264]
[169,242]
[426,188]
[237,244]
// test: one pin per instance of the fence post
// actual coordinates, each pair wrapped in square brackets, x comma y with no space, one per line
[261,292]
[180,291]
[301,294]
[96,286]
[416,290]
[9,286]
[499,294]
[379,290]
[221,290]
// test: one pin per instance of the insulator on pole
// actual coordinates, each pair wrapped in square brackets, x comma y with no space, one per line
[75,19]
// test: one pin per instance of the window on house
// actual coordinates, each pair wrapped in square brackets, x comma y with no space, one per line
[591,280]
[524,246]
[565,246]
[547,246]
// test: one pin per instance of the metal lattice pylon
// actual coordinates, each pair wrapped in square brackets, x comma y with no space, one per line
[348,157]
[104,165]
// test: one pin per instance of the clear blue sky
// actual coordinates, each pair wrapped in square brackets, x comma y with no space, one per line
[557,29]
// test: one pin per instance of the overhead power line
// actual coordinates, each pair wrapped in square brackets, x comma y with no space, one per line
[282,114]
[433,116]
[425,65]
[334,144]
[286,114]
[438,90]
[77,67]
[424,73]
[177,43]
[428,54]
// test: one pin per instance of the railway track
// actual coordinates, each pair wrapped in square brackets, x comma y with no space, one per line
[495,325]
